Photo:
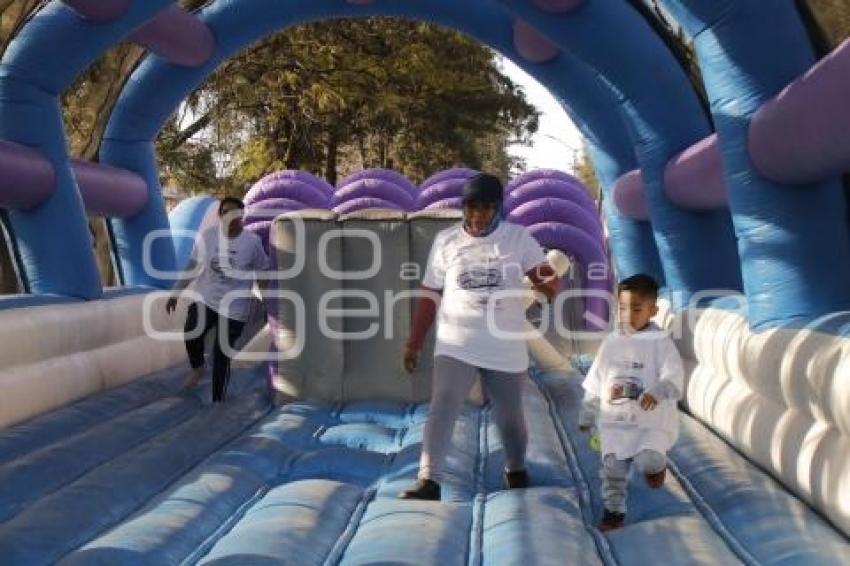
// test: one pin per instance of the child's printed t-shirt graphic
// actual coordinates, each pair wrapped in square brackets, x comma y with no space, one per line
[622,399]
[482,316]
[626,366]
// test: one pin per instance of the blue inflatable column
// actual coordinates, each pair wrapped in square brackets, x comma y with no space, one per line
[793,240]
[44,58]
[632,241]
[664,116]
[144,246]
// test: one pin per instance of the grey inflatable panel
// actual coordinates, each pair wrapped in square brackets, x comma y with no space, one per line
[369,263]
[376,249]
[317,372]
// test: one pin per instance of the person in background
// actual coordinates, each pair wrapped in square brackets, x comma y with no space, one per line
[226,259]
[474,267]
[630,397]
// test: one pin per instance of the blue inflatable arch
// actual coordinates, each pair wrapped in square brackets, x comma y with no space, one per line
[615,76]
[158,86]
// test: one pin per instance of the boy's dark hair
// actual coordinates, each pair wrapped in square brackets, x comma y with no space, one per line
[640,284]
[230,200]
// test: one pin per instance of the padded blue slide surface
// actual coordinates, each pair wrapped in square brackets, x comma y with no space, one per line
[148,475]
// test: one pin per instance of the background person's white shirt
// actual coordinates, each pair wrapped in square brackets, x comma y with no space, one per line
[474,273]
[626,365]
[220,259]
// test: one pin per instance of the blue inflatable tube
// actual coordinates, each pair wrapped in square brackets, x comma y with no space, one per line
[632,241]
[777,226]
[156,88]
[43,59]
[188,216]
[664,116]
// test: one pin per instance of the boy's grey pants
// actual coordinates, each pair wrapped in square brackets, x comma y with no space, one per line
[453,379]
[615,476]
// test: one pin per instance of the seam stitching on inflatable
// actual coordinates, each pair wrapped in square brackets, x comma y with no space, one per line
[602,545]
[345,538]
[226,525]
[95,414]
[68,480]
[476,534]
[174,478]
[716,523]
[476,543]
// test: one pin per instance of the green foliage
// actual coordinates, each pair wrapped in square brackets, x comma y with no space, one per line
[587,174]
[832,17]
[335,97]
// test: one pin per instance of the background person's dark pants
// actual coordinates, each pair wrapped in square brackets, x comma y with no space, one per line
[195,346]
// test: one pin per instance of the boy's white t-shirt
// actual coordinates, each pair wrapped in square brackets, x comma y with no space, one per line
[626,365]
[482,314]
[227,265]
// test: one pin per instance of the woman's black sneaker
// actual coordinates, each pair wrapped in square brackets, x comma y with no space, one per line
[517,479]
[611,520]
[428,490]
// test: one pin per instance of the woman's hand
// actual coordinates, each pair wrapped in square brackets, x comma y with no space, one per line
[410,359]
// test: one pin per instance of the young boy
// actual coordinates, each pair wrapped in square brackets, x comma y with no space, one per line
[630,397]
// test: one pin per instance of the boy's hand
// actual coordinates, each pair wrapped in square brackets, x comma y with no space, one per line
[648,402]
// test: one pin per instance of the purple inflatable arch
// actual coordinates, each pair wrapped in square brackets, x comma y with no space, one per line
[28,178]
[550,187]
[110,191]
[98,10]
[176,35]
[374,188]
[262,229]
[588,252]
[290,188]
[452,202]
[267,209]
[453,173]
[382,174]
[304,176]
[630,197]
[538,174]
[441,190]
[557,210]
[363,203]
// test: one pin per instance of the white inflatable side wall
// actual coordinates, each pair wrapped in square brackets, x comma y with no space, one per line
[781,397]
[53,355]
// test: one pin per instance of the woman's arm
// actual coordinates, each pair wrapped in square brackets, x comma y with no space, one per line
[424,313]
[545,280]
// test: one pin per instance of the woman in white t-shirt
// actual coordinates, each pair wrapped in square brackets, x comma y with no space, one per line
[228,257]
[474,278]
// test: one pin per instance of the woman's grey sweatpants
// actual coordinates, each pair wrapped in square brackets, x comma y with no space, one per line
[453,379]
[615,476]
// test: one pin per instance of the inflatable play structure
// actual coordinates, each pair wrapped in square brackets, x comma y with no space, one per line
[735,204]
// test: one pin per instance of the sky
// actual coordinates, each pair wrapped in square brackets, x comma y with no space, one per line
[557,141]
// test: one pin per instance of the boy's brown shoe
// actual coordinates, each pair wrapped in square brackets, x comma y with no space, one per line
[517,479]
[611,520]
[656,480]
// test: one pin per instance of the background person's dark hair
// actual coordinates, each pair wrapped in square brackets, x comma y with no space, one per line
[482,188]
[640,284]
[230,200]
